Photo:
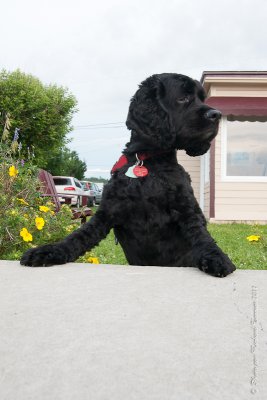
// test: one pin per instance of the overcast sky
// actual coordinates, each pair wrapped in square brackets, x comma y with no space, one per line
[102,50]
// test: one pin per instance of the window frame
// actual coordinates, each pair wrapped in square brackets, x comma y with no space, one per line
[206,157]
[224,176]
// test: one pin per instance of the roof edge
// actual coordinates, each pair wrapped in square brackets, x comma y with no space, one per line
[231,73]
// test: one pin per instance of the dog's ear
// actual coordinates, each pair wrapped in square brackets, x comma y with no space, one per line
[148,119]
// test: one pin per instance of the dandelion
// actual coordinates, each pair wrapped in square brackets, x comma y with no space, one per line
[93,260]
[13,172]
[39,223]
[44,208]
[253,238]
[25,234]
[22,201]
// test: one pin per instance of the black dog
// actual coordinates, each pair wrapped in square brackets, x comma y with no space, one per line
[149,200]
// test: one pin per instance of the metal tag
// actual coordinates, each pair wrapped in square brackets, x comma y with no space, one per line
[140,171]
[130,172]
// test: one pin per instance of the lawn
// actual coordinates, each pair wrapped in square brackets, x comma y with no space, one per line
[107,252]
[232,238]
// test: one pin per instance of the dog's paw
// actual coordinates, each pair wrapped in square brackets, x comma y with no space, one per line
[217,264]
[44,256]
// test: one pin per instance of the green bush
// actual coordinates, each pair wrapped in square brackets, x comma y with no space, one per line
[27,219]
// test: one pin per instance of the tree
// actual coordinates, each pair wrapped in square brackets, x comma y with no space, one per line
[42,113]
[97,180]
[66,163]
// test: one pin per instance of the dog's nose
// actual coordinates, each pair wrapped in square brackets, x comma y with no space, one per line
[213,115]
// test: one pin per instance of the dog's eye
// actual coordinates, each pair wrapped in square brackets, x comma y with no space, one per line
[184,99]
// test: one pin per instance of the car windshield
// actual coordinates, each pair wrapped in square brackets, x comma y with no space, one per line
[62,181]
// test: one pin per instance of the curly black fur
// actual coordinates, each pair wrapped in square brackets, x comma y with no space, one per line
[156,219]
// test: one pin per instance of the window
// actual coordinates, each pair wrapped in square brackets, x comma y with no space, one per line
[244,150]
[77,183]
[62,181]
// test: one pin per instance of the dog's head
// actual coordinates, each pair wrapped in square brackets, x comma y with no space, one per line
[168,112]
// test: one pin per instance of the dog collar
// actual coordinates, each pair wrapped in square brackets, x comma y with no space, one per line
[123,160]
[138,170]
[135,171]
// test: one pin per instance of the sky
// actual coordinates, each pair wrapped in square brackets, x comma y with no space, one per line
[102,50]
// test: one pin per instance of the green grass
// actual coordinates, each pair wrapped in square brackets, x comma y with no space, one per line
[107,252]
[232,238]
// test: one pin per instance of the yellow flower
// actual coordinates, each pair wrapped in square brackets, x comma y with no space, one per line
[14,212]
[253,238]
[13,172]
[69,228]
[44,208]
[22,201]
[39,223]
[93,260]
[26,236]
[26,216]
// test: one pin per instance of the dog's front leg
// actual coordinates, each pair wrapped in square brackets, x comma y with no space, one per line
[205,253]
[73,246]
[210,258]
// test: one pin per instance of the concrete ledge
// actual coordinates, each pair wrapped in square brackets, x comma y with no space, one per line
[82,331]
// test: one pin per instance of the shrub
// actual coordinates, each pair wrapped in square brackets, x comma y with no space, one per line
[27,219]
